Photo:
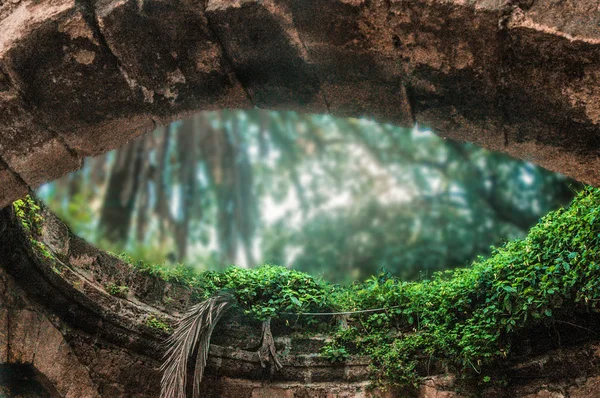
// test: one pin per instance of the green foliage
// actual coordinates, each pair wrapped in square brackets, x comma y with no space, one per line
[29,213]
[117,290]
[469,318]
[156,323]
[269,291]
[41,249]
[335,353]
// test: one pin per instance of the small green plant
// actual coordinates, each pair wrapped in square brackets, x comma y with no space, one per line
[117,290]
[335,353]
[29,214]
[156,323]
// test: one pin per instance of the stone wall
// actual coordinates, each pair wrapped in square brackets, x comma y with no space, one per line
[59,321]
[517,76]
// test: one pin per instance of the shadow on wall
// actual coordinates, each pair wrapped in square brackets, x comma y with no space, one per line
[24,381]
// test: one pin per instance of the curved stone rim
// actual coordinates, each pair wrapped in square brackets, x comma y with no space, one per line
[515,76]
[71,285]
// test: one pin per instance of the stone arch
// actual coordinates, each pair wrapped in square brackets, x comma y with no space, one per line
[522,77]
[30,342]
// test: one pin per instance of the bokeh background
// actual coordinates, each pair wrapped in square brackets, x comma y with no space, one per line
[338,198]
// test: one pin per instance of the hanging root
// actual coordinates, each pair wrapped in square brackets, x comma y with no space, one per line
[194,330]
[267,353]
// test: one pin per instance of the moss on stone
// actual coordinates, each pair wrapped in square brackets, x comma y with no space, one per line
[156,323]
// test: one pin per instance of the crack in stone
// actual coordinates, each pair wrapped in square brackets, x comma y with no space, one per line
[410,98]
[37,339]
[20,179]
[8,334]
[504,56]
[315,73]
[227,58]
[4,80]
[155,124]
[90,17]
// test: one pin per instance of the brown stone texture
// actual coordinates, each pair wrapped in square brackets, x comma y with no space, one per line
[13,187]
[28,337]
[589,389]
[59,321]
[522,77]
[83,342]
[545,394]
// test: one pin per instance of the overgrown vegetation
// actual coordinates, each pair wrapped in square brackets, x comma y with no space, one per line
[469,318]
[30,214]
[466,319]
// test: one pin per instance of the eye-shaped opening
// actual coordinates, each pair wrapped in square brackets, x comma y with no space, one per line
[337,198]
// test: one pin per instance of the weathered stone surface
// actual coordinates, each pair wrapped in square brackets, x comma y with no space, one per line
[33,152]
[589,389]
[522,77]
[266,55]
[178,64]
[12,187]
[27,337]
[545,394]
[69,80]
[357,77]
[439,387]
[55,359]
[3,332]
[450,55]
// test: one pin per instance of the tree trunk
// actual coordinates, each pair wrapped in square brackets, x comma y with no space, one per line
[120,197]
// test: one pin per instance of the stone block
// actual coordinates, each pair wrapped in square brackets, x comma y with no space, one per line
[172,56]
[55,359]
[357,78]
[589,389]
[272,392]
[29,149]
[12,187]
[266,55]
[553,70]
[3,334]
[24,330]
[70,81]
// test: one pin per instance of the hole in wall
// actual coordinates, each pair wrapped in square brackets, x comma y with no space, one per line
[338,198]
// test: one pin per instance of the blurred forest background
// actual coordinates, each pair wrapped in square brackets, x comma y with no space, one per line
[338,198]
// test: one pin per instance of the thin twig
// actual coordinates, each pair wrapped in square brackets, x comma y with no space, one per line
[339,313]
[576,326]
